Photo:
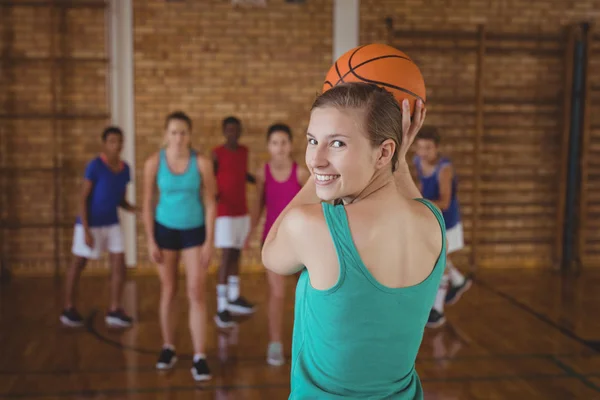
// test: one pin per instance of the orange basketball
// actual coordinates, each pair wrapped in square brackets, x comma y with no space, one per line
[382,65]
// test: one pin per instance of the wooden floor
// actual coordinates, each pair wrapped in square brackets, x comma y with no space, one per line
[514,335]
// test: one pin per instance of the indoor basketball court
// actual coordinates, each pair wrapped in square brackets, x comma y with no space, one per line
[512,89]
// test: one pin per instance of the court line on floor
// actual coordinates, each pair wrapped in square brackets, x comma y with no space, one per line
[572,372]
[260,360]
[115,343]
[547,320]
[90,328]
[208,388]
[542,317]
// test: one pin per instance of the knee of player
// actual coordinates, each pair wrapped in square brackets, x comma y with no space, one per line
[168,290]
[196,293]
[80,262]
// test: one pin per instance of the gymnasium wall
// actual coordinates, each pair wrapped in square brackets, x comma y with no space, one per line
[53,105]
[262,65]
[265,65]
[518,171]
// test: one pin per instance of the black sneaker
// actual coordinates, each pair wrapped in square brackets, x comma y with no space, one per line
[223,319]
[436,319]
[70,317]
[240,306]
[118,319]
[166,359]
[454,292]
[200,370]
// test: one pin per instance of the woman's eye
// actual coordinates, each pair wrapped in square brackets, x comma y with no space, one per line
[337,143]
[312,141]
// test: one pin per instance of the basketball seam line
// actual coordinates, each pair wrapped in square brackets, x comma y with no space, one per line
[338,72]
[377,82]
[372,59]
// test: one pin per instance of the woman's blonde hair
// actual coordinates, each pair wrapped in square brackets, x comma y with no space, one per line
[383,115]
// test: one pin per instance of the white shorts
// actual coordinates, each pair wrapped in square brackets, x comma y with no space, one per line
[106,238]
[231,232]
[455,238]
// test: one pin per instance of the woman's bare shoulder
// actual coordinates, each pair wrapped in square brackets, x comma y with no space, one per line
[305,216]
[152,161]
[427,225]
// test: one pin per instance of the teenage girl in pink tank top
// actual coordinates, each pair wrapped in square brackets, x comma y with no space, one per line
[277,182]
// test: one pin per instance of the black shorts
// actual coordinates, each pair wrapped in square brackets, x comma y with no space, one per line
[178,239]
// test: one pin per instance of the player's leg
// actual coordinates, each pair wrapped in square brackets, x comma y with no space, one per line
[81,253]
[224,241]
[237,304]
[116,316]
[168,241]
[193,240]
[458,284]
[276,309]
[436,315]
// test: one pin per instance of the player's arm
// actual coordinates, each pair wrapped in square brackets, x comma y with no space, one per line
[150,170]
[404,181]
[302,175]
[215,160]
[250,178]
[86,190]
[89,180]
[209,196]
[280,252]
[259,205]
[125,205]
[445,183]
[410,127]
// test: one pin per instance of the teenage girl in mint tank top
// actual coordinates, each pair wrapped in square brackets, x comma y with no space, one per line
[180,227]
[277,183]
[371,250]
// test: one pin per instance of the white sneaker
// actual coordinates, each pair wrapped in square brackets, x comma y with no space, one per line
[275,355]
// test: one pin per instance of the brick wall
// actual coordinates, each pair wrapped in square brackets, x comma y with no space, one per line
[523,92]
[263,65]
[589,223]
[505,15]
[50,125]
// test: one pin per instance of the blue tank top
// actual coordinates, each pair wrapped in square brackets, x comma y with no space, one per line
[359,339]
[179,204]
[431,190]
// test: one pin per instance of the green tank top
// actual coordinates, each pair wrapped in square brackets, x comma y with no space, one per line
[180,201]
[360,339]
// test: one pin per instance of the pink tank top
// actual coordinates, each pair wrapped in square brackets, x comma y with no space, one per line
[278,195]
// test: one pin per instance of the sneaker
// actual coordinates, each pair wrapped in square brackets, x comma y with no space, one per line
[224,319]
[240,306]
[436,319]
[70,317]
[275,355]
[454,292]
[200,370]
[166,359]
[118,319]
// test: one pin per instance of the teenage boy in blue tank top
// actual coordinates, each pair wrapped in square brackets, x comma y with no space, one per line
[438,183]
[97,227]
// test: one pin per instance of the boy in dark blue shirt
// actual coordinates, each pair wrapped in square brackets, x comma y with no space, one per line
[97,227]
[438,183]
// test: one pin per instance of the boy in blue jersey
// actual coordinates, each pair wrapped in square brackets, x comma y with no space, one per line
[97,227]
[438,183]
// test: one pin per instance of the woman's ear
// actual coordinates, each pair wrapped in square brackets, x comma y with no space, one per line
[386,152]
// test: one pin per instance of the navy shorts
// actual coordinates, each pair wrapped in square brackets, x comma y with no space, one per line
[178,239]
